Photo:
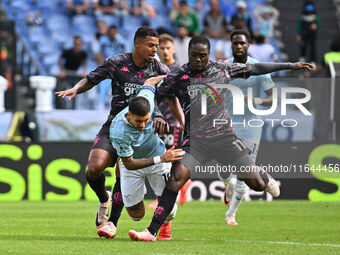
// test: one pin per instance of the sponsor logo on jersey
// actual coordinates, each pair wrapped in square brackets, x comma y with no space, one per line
[185,77]
[125,69]
[140,76]
[132,88]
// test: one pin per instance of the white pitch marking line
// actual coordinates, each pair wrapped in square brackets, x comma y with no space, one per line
[273,242]
[187,239]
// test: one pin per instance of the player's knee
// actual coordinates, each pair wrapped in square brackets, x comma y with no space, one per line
[179,176]
[259,185]
[136,219]
[136,216]
[136,212]
[94,170]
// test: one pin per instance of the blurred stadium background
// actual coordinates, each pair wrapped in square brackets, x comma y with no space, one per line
[44,144]
[34,35]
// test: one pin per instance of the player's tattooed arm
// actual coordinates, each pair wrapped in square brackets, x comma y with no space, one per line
[153,81]
[82,86]
[170,155]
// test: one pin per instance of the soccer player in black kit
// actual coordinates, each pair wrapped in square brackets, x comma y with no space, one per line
[128,72]
[202,141]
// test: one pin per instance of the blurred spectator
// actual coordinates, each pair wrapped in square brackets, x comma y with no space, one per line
[150,6]
[111,44]
[137,7]
[265,17]
[102,29]
[77,6]
[262,51]
[242,20]
[215,22]
[194,5]
[166,50]
[223,46]
[69,64]
[307,28]
[122,9]
[71,59]
[104,7]
[187,18]
[181,44]
[332,56]
[276,12]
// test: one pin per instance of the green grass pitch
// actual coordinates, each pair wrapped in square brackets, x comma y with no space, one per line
[278,227]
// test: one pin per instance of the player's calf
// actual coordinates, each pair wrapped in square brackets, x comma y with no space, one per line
[136,212]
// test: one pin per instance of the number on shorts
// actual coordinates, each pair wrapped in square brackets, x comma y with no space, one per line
[239,144]
[166,176]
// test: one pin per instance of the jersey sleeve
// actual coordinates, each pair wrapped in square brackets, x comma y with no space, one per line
[238,70]
[167,87]
[161,68]
[102,72]
[123,149]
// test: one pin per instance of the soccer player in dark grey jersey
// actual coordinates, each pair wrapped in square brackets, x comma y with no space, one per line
[203,141]
[127,73]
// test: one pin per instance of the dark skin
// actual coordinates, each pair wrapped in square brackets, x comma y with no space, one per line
[240,46]
[198,59]
[143,54]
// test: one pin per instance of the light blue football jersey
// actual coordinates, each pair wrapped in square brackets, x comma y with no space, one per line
[259,83]
[128,141]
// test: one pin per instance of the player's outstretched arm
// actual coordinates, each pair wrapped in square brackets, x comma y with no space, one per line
[159,124]
[170,155]
[82,86]
[264,68]
[154,80]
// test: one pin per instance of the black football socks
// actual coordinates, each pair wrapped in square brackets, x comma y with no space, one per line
[163,209]
[98,186]
[117,203]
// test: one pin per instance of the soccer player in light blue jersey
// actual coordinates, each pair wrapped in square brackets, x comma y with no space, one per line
[142,154]
[250,135]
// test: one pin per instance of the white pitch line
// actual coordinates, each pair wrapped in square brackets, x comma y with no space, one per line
[272,242]
[189,239]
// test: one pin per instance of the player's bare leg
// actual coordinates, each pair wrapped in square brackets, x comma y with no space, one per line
[258,180]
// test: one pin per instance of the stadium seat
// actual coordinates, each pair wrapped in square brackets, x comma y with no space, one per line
[36,34]
[57,21]
[131,23]
[84,24]
[161,21]
[110,19]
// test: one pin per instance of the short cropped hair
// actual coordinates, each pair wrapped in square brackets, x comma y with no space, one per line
[200,39]
[165,38]
[145,31]
[240,32]
[139,106]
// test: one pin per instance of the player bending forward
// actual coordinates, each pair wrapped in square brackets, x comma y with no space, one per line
[142,155]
